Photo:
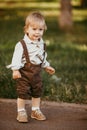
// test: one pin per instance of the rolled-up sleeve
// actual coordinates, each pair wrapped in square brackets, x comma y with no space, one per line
[17,57]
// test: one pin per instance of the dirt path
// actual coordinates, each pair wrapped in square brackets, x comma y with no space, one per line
[60,116]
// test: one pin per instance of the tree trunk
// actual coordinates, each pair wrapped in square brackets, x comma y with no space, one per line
[83,3]
[65,18]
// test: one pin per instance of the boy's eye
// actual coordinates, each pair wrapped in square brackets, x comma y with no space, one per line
[40,29]
[34,28]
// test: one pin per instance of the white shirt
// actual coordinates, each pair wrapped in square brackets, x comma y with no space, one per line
[35,52]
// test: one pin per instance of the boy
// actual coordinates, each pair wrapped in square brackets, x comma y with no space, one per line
[28,59]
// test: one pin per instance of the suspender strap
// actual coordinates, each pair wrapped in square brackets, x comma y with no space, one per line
[25,51]
[44,46]
[44,52]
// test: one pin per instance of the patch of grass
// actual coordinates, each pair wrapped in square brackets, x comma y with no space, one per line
[66,52]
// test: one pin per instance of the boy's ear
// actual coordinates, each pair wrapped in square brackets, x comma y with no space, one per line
[26,30]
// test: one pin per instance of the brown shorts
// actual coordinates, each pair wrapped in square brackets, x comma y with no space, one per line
[30,84]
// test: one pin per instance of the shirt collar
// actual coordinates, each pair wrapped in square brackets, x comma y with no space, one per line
[28,40]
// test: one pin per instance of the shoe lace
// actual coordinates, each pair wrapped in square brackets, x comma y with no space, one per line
[38,112]
[22,113]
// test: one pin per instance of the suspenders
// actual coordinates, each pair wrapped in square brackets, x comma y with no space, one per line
[26,51]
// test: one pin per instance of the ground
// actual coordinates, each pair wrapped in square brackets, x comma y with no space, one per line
[60,116]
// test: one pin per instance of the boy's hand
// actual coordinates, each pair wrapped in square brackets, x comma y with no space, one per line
[50,70]
[16,74]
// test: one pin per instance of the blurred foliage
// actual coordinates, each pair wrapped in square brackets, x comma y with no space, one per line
[66,52]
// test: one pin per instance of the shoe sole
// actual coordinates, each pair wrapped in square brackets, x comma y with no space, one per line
[22,121]
[38,119]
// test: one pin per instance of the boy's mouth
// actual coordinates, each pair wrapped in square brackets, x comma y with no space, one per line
[36,36]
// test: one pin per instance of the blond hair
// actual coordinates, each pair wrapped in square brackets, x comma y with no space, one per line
[35,18]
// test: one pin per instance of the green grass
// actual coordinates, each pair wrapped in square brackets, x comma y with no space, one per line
[66,52]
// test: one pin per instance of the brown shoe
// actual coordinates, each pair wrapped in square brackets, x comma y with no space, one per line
[22,116]
[37,114]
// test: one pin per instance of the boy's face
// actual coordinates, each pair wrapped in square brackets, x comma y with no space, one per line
[35,32]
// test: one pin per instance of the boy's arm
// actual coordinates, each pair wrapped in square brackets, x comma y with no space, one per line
[16,74]
[17,57]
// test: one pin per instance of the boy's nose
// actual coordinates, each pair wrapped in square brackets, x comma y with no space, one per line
[37,31]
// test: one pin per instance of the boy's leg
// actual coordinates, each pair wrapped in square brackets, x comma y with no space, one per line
[36,113]
[20,104]
[22,115]
[35,103]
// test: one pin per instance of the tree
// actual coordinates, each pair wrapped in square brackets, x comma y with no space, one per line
[65,18]
[83,3]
